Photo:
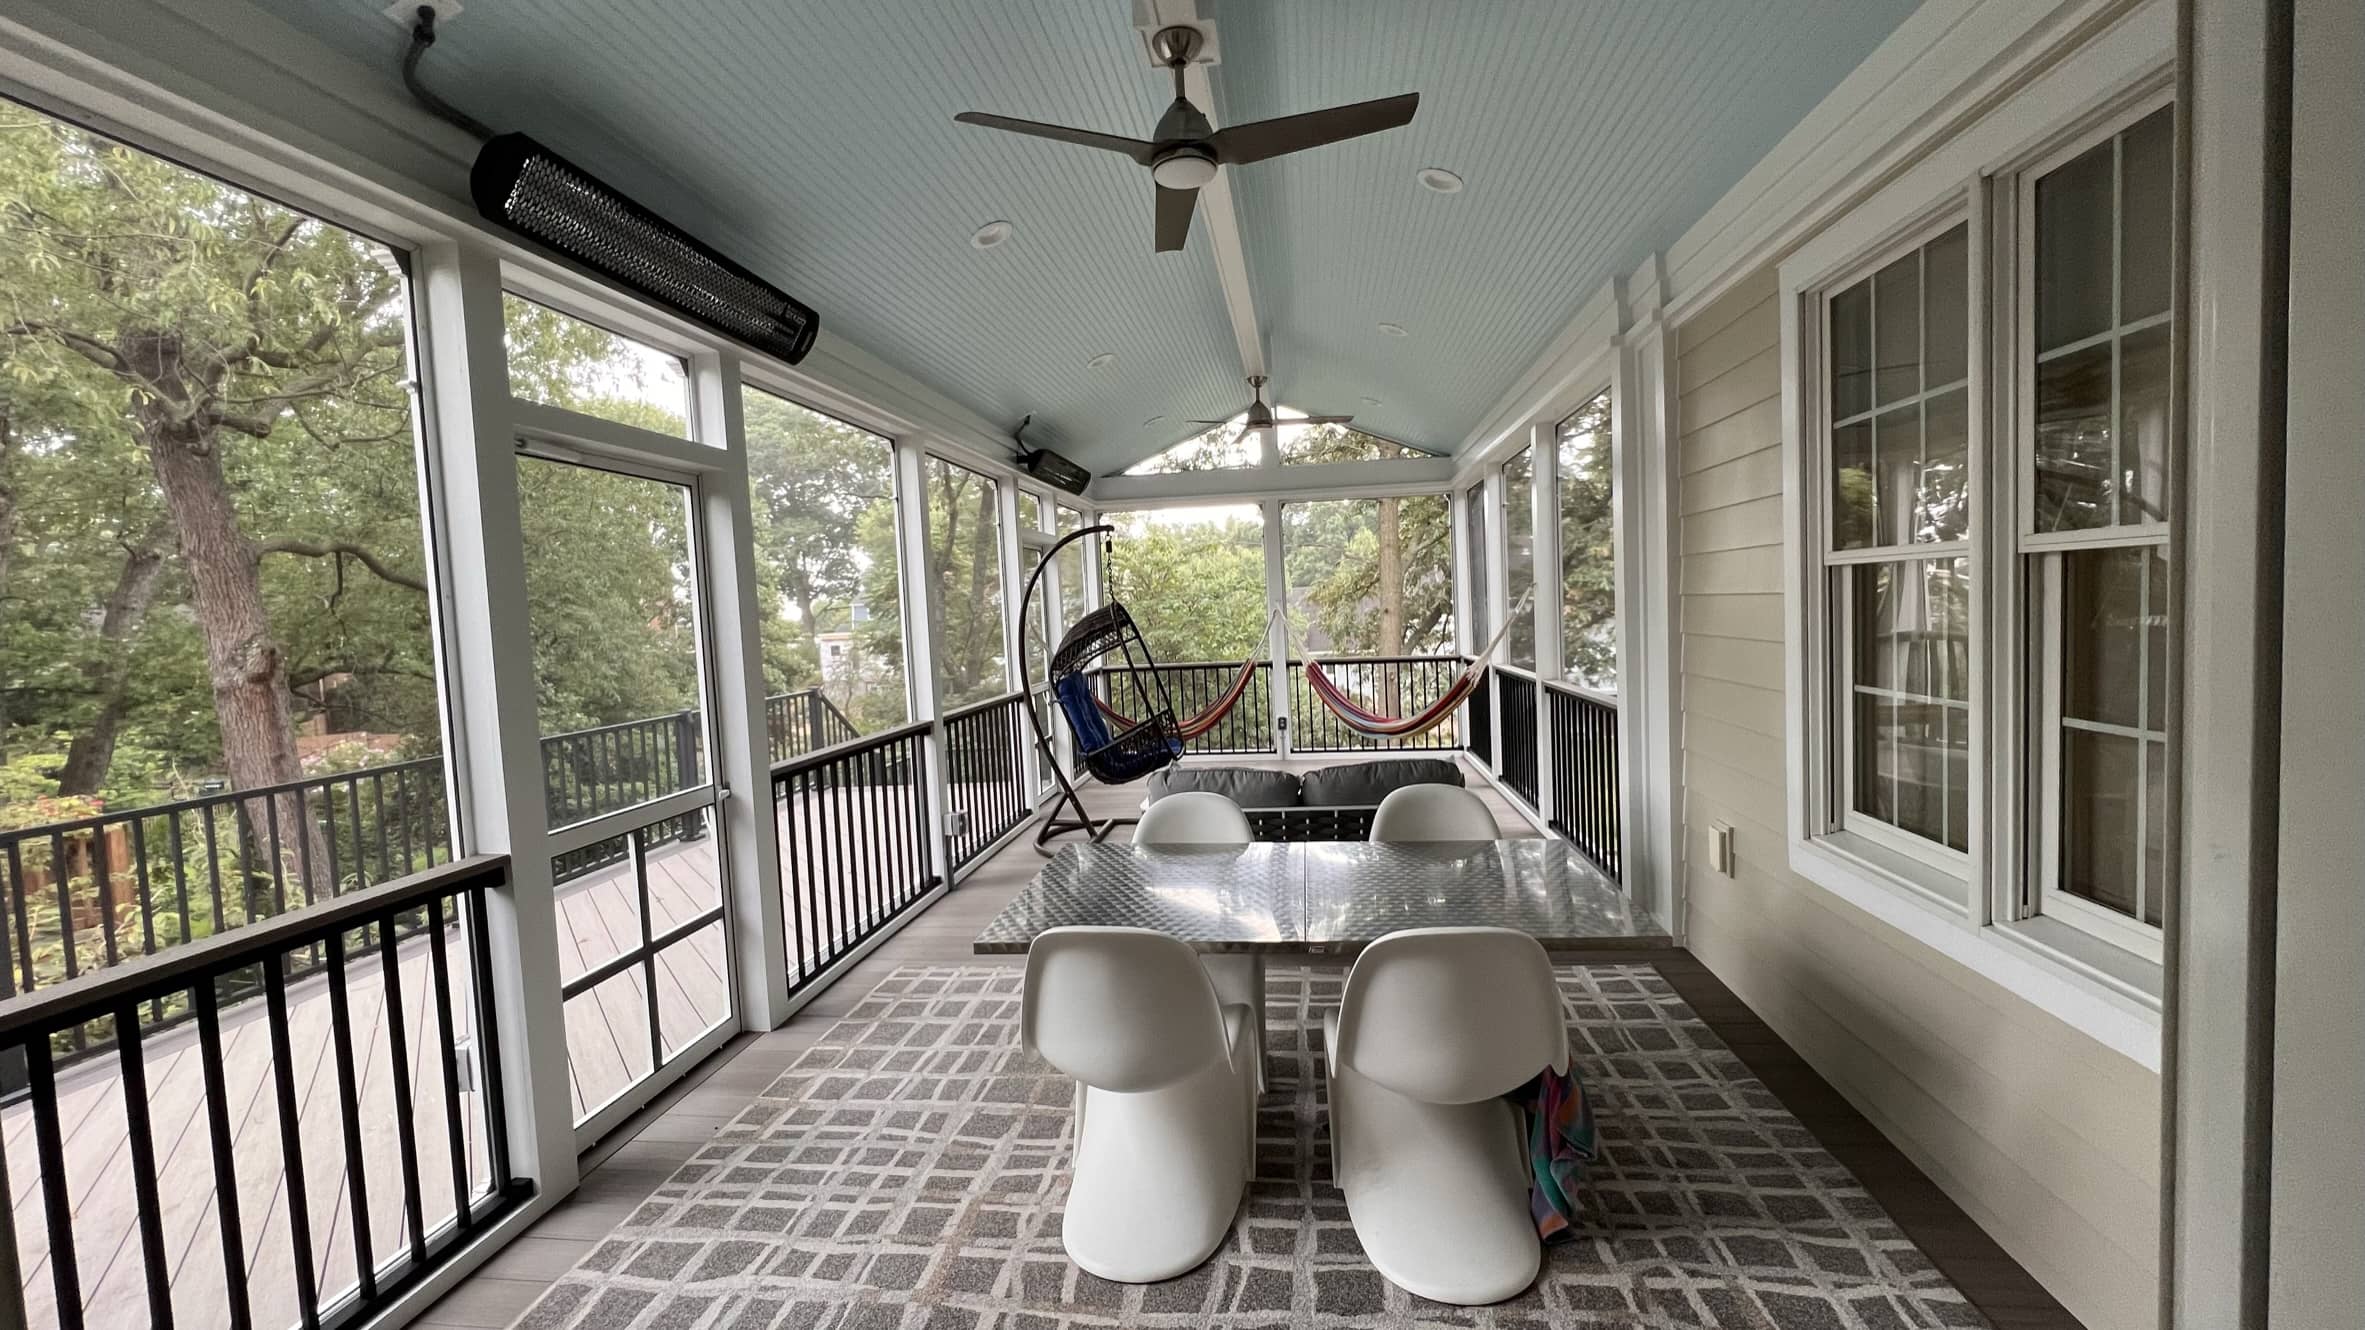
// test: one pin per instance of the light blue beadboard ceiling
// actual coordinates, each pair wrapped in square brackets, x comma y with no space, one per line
[1590,133]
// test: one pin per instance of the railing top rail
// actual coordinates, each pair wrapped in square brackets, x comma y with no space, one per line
[1265,662]
[1516,672]
[666,718]
[979,708]
[821,757]
[1581,691]
[1234,664]
[215,800]
[1438,659]
[102,991]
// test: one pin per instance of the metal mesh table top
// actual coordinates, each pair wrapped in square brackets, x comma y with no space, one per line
[1324,897]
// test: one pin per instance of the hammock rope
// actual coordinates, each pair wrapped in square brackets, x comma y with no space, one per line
[1215,712]
[1374,725]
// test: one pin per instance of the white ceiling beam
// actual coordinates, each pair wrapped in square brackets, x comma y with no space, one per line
[1216,208]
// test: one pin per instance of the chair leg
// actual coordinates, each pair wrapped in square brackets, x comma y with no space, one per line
[1240,979]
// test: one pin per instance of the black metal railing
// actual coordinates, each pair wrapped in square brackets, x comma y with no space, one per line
[1515,693]
[1399,686]
[1585,780]
[805,721]
[854,844]
[588,773]
[1478,720]
[392,1024]
[91,892]
[985,769]
[1195,686]
[88,894]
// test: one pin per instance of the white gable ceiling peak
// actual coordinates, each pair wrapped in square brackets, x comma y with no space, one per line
[1588,134]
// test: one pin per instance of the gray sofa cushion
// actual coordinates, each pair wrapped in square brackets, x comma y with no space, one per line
[1363,784]
[1245,786]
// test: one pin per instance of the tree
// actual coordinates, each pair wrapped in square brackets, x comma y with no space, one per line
[209,321]
[1197,589]
[814,481]
[1588,548]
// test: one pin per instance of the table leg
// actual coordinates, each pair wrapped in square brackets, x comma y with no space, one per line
[1241,978]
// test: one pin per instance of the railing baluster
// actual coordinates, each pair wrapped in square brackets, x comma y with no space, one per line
[49,1148]
[24,928]
[340,1019]
[291,1140]
[398,1054]
[225,1151]
[141,1140]
[448,1051]
[62,877]
[488,1042]
[353,806]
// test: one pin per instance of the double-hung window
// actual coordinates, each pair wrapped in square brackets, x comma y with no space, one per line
[1982,465]
[1896,583]
[2091,466]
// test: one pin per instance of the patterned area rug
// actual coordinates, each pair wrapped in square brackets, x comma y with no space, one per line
[907,1174]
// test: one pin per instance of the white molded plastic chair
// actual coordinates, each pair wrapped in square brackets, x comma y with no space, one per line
[1436,1024]
[1200,817]
[1165,1096]
[1193,817]
[1433,812]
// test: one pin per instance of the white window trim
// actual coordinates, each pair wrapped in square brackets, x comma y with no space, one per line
[2024,899]
[2110,993]
[1822,784]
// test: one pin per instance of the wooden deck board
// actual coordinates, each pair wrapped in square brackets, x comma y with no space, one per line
[93,1126]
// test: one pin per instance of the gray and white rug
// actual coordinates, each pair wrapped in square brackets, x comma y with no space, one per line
[907,1174]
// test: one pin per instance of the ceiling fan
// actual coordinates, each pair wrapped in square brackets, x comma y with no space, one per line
[1185,149]
[1259,417]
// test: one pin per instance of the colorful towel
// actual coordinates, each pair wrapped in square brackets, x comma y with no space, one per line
[1560,1147]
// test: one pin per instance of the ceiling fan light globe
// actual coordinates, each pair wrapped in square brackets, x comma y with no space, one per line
[1183,170]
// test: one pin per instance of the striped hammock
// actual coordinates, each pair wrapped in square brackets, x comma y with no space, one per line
[1214,713]
[1373,725]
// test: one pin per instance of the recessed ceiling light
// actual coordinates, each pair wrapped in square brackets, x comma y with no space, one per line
[1392,329]
[991,234]
[1439,179]
[1101,361]
[1371,401]
[1152,421]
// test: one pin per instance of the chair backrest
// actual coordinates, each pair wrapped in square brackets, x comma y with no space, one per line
[1433,812]
[1193,817]
[1452,1015]
[1125,1009]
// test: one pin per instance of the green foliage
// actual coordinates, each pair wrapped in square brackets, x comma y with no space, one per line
[964,573]
[1197,588]
[1588,548]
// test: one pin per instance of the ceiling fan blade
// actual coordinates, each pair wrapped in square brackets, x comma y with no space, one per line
[1174,217]
[1259,139]
[1320,420]
[1134,148]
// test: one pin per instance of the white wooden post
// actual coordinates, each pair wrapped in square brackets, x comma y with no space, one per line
[489,666]
[1643,467]
[742,754]
[1496,568]
[1277,638]
[1544,448]
[919,638]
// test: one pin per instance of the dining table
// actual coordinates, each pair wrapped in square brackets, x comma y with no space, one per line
[1240,905]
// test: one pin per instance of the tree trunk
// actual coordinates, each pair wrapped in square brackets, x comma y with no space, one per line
[93,750]
[1391,575]
[245,665]
[7,520]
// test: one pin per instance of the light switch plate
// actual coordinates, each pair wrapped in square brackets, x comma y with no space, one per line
[1720,847]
